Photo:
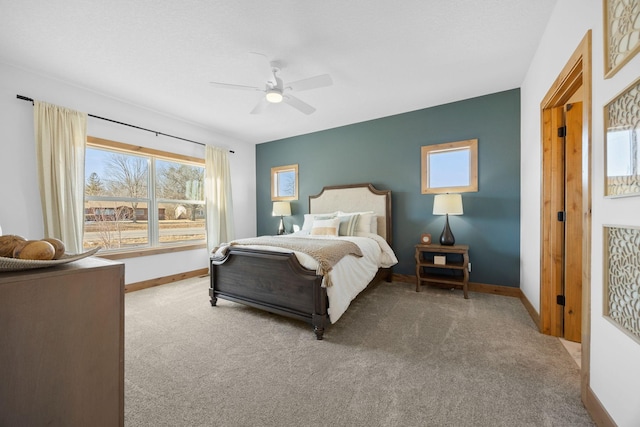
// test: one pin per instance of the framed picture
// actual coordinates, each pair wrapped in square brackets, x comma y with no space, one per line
[451,167]
[284,183]
[621,302]
[621,33]
[622,150]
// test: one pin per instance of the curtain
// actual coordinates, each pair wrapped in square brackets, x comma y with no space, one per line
[219,204]
[60,136]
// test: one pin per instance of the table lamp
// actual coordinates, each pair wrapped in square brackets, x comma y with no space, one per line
[447,204]
[281,209]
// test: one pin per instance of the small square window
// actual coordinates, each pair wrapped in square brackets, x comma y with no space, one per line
[450,168]
[284,182]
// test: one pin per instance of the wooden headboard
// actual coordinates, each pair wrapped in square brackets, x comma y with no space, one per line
[356,198]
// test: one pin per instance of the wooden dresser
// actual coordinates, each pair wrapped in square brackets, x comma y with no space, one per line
[62,345]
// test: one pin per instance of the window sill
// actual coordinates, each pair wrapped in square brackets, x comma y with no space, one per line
[150,251]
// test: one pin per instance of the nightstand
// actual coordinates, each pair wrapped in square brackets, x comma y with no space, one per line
[448,265]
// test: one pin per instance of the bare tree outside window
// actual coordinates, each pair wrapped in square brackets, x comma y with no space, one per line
[127,176]
[287,183]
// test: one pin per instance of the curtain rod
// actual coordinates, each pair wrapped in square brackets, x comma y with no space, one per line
[25,98]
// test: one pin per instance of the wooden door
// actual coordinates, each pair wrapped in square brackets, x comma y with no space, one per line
[553,190]
[562,222]
[572,310]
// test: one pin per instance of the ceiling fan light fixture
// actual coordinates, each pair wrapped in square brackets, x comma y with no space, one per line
[274,96]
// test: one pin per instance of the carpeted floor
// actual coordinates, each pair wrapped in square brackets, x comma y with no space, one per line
[396,358]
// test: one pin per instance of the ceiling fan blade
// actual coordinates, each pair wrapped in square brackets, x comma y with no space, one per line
[232,86]
[298,104]
[260,106]
[311,83]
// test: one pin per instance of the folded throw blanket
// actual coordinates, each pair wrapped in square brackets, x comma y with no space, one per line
[327,252]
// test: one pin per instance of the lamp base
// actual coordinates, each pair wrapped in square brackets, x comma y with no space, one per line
[281,227]
[446,238]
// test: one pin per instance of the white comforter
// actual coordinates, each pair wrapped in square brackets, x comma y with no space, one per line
[352,274]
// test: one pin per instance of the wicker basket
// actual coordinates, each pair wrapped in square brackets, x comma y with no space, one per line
[14,264]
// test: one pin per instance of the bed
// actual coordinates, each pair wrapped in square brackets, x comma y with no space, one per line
[290,283]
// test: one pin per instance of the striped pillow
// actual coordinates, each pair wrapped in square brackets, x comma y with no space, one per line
[309,218]
[325,227]
[348,225]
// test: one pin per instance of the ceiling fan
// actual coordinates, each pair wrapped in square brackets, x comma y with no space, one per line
[277,91]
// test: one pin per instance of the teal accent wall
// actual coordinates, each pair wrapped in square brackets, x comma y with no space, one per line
[386,153]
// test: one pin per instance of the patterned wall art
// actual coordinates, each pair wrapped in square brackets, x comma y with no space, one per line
[622,33]
[622,153]
[622,278]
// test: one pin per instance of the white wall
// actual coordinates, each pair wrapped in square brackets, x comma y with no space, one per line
[20,211]
[615,367]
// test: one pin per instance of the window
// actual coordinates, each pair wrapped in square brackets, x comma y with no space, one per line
[450,168]
[284,182]
[141,198]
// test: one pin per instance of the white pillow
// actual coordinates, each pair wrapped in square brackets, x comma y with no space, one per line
[374,224]
[309,218]
[364,222]
[325,227]
[340,213]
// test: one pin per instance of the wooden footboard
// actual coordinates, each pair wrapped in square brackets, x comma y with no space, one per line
[271,281]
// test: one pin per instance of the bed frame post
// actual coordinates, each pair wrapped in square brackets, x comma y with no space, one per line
[317,321]
[319,317]
[212,287]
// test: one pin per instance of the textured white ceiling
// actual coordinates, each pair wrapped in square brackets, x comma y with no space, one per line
[385,56]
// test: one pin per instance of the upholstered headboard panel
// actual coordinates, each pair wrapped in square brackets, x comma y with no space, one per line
[356,198]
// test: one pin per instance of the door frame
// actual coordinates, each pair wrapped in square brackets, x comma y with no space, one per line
[576,75]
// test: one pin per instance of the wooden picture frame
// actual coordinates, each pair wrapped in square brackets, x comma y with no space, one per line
[621,33]
[284,183]
[451,167]
[622,143]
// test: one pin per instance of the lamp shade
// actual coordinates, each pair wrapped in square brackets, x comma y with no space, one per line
[281,209]
[447,204]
